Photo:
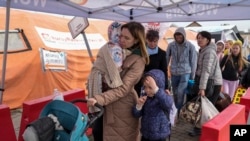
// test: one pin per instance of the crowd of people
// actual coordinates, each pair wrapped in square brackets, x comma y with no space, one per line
[135,92]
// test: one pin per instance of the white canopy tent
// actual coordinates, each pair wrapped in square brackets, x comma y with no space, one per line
[132,10]
[141,10]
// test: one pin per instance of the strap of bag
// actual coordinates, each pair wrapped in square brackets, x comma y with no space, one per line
[222,69]
[198,98]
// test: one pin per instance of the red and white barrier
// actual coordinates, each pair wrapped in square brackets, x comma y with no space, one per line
[218,128]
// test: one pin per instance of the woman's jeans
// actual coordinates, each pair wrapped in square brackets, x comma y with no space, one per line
[179,86]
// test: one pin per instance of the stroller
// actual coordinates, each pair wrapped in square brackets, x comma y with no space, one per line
[61,121]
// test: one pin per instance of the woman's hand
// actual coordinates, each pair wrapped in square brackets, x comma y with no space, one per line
[91,102]
[202,93]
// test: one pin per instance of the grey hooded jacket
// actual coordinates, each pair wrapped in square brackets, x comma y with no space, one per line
[183,56]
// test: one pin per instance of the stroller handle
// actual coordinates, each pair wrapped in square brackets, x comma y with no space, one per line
[100,113]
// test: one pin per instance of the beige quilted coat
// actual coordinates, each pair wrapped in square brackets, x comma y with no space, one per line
[119,123]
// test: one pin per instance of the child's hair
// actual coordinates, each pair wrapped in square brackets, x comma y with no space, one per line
[151,35]
[241,61]
[230,42]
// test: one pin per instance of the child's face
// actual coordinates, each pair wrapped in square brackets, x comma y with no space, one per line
[220,48]
[148,88]
[227,45]
[236,50]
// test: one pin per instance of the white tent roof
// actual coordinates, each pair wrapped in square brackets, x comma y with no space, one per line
[142,10]
[213,28]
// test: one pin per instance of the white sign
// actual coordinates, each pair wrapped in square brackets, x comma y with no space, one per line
[53,60]
[160,27]
[63,40]
[77,25]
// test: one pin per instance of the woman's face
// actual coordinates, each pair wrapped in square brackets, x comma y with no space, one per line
[235,50]
[202,41]
[126,39]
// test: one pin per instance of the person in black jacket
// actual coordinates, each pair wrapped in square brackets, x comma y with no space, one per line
[157,58]
[246,79]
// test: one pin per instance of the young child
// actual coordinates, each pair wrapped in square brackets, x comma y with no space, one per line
[220,49]
[228,45]
[152,106]
[105,72]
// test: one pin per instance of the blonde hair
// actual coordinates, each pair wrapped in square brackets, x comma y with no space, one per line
[241,60]
[230,42]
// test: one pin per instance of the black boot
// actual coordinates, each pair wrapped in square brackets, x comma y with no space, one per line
[195,132]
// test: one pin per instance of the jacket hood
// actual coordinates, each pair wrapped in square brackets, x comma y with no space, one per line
[182,31]
[114,31]
[158,76]
[220,41]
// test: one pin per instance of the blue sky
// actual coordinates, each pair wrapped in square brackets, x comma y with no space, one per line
[243,25]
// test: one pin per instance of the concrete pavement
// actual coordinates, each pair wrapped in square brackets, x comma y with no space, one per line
[179,132]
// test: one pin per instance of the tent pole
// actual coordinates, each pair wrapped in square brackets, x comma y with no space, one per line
[88,48]
[5,48]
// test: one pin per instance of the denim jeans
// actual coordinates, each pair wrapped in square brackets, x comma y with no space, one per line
[179,86]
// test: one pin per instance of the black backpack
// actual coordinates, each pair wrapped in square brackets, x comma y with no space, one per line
[42,129]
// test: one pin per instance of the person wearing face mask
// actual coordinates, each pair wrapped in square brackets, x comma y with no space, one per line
[157,57]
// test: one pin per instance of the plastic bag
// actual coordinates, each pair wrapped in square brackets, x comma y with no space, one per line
[173,114]
[208,110]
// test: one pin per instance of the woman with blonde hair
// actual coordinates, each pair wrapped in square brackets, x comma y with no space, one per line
[232,65]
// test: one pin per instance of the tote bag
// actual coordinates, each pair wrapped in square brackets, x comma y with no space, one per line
[191,111]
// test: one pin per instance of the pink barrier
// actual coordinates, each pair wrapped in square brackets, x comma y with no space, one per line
[218,128]
[32,108]
[7,132]
[245,100]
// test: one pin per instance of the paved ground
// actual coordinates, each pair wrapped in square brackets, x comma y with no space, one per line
[179,132]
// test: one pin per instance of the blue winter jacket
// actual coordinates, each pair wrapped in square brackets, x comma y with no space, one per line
[154,122]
